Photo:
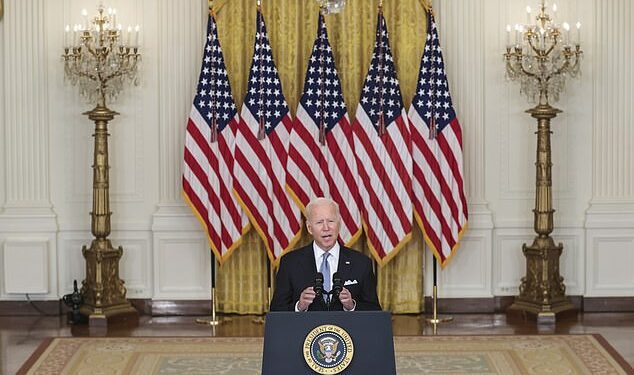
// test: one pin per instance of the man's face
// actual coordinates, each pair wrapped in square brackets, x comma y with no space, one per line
[324,225]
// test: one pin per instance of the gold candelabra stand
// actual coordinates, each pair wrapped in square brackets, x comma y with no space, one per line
[98,61]
[541,58]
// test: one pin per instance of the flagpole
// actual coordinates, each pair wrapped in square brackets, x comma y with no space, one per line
[261,125]
[381,123]
[322,119]
[269,280]
[435,319]
[214,320]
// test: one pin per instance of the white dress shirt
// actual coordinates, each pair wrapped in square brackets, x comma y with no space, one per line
[333,262]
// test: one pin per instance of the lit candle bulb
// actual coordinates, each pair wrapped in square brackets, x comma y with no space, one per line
[114,16]
[66,35]
[84,14]
[554,11]
[518,33]
[567,35]
[578,32]
[137,28]
[127,42]
[528,15]
[508,35]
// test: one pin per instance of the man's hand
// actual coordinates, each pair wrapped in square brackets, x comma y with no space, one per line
[306,298]
[346,299]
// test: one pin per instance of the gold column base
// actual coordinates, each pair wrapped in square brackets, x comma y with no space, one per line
[542,290]
[543,313]
[103,291]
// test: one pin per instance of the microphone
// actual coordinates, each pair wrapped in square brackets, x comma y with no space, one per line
[319,285]
[337,284]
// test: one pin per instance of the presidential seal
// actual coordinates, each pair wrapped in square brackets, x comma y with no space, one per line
[328,349]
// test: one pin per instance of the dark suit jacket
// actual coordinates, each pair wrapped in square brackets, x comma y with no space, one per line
[298,269]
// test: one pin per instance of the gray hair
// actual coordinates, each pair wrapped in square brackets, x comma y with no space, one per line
[321,201]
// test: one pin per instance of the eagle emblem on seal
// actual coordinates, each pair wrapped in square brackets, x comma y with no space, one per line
[328,349]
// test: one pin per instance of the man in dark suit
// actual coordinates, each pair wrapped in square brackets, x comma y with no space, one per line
[296,276]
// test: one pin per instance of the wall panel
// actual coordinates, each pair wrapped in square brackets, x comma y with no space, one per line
[26,266]
[610,250]
[181,266]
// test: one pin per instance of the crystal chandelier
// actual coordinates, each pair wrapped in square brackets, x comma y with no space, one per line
[331,6]
[542,55]
[99,56]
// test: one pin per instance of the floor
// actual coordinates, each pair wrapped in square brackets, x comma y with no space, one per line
[20,336]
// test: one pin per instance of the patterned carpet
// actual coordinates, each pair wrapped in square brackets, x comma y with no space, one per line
[552,354]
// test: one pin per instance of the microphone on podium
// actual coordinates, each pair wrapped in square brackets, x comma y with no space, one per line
[337,285]
[319,285]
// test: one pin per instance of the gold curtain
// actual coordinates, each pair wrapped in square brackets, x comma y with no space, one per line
[292,27]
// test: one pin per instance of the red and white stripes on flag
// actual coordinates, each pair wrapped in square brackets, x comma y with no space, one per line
[208,159]
[383,148]
[261,153]
[439,200]
[321,160]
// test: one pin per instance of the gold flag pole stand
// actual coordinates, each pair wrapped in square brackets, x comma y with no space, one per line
[269,277]
[214,320]
[436,319]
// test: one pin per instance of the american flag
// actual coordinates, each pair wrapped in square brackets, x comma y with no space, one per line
[321,160]
[383,147]
[208,159]
[439,200]
[261,152]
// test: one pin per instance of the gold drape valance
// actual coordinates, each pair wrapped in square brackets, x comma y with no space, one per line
[292,28]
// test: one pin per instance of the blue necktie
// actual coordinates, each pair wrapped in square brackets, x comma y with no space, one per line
[325,270]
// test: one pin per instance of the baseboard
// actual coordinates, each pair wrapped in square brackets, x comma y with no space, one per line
[143,306]
[493,305]
[180,307]
[31,308]
[608,304]
[461,305]
[150,307]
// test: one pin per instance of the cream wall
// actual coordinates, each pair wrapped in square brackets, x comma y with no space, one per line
[46,152]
